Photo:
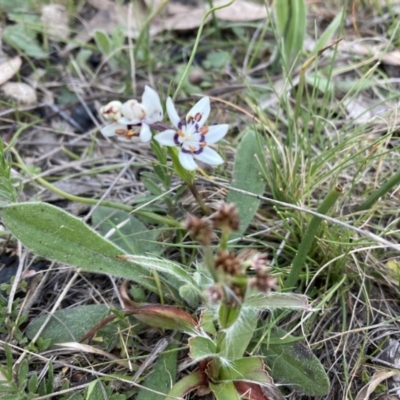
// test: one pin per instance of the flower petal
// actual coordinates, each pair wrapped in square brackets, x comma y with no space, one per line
[145,133]
[152,104]
[187,161]
[126,121]
[199,112]
[172,114]
[133,111]
[216,133]
[166,138]
[209,156]
[109,130]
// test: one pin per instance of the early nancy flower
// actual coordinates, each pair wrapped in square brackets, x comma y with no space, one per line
[112,111]
[192,136]
[132,118]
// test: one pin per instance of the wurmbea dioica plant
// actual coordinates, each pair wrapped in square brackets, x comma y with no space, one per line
[232,289]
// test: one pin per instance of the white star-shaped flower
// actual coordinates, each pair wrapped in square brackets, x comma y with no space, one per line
[192,136]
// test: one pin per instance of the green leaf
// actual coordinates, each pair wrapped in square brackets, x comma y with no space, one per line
[16,5]
[33,383]
[164,266]
[186,385]
[70,324]
[246,176]
[216,60]
[329,32]
[202,347]
[103,42]
[97,390]
[23,370]
[249,369]
[224,391]
[191,297]
[52,233]
[294,364]
[238,336]
[23,39]
[290,17]
[274,300]
[163,374]
[207,321]
[130,234]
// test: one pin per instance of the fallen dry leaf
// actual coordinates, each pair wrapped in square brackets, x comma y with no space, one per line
[241,11]
[370,387]
[20,92]
[9,69]
[392,58]
[175,16]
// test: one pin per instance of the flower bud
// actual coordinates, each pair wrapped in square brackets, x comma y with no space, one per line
[112,111]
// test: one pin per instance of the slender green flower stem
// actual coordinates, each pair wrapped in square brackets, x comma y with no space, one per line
[308,238]
[199,200]
[374,197]
[84,200]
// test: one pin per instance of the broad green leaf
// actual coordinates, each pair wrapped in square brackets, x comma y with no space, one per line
[201,347]
[52,233]
[161,377]
[33,383]
[295,365]
[70,324]
[103,42]
[207,321]
[11,6]
[23,39]
[249,369]
[163,265]
[224,391]
[246,176]
[97,390]
[290,17]
[129,233]
[274,300]
[238,336]
[186,385]
[190,296]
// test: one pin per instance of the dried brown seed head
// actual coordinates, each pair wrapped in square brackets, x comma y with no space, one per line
[226,218]
[200,230]
[228,262]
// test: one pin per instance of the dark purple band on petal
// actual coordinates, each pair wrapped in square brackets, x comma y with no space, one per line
[202,139]
[197,152]
[176,141]
[180,125]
